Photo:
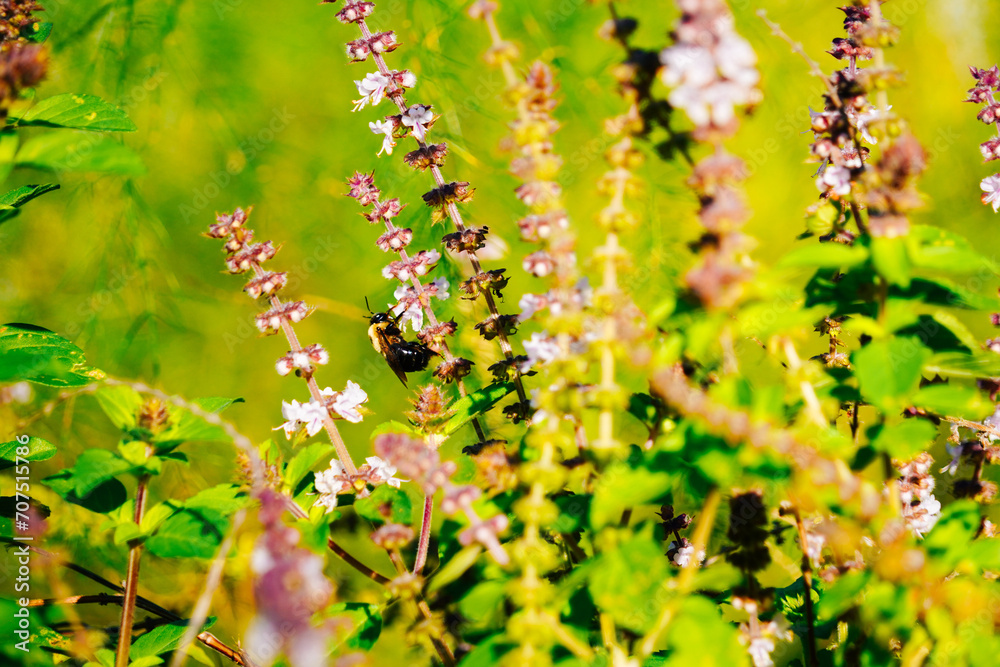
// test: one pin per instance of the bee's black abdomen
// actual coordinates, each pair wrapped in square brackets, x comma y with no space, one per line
[412,356]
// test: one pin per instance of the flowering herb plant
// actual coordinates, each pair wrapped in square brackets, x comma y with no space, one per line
[748,460]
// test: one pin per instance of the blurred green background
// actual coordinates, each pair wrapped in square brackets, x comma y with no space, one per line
[246,103]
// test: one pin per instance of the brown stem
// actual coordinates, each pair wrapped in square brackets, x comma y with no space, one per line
[355,563]
[807,582]
[443,650]
[331,428]
[132,576]
[425,535]
[206,638]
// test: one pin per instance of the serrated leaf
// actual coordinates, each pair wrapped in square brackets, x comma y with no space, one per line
[367,620]
[455,567]
[476,403]
[79,151]
[185,426]
[825,256]
[385,505]
[38,450]
[79,112]
[35,354]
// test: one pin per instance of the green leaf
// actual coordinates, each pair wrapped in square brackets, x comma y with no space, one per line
[28,352]
[367,619]
[105,497]
[476,403]
[121,405]
[942,250]
[9,142]
[484,602]
[79,151]
[891,259]
[622,487]
[699,635]
[888,371]
[630,581]
[160,640]
[942,292]
[37,450]
[40,32]
[905,439]
[79,112]
[11,202]
[185,426]
[96,466]
[953,400]
[948,541]
[825,256]
[961,365]
[488,653]
[302,463]
[385,505]
[455,567]
[223,499]
[841,595]
[189,534]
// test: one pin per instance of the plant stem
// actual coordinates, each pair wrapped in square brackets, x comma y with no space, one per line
[813,659]
[132,576]
[425,535]
[355,563]
[686,578]
[206,638]
[443,650]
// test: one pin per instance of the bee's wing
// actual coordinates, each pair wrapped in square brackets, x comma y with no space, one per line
[389,352]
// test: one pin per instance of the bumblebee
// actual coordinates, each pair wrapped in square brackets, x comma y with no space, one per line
[403,356]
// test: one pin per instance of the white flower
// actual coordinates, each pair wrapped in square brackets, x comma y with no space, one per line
[870,116]
[417,117]
[313,415]
[683,556]
[329,483]
[531,304]
[383,127]
[372,89]
[383,471]
[760,650]
[291,412]
[689,65]
[541,348]
[346,403]
[836,179]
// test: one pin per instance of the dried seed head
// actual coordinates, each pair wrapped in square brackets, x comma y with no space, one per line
[453,370]
[152,416]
